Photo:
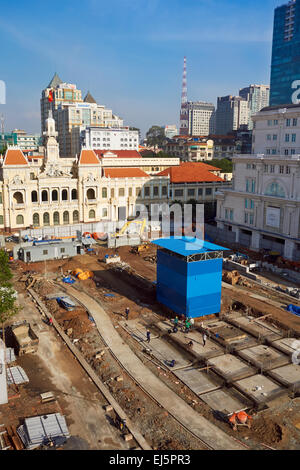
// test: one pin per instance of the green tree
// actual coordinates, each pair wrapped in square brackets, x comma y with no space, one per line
[8,307]
[224,164]
[155,136]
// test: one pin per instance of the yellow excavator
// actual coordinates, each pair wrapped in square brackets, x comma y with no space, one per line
[141,222]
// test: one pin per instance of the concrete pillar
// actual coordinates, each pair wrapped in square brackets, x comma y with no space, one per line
[3,379]
[255,241]
[289,248]
[236,230]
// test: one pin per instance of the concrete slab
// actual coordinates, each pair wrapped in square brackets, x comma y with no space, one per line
[224,402]
[198,381]
[264,357]
[289,346]
[229,336]
[137,329]
[259,388]
[224,331]
[256,327]
[211,349]
[165,353]
[288,375]
[230,367]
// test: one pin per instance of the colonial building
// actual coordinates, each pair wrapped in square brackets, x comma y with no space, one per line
[47,190]
[197,181]
[263,207]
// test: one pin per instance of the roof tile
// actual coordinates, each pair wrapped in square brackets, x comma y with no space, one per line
[88,157]
[15,157]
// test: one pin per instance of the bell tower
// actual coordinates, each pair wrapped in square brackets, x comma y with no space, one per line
[52,146]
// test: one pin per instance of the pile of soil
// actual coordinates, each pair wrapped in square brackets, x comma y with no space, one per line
[77,320]
[266,430]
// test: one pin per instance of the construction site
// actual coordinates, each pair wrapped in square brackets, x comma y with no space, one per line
[153,346]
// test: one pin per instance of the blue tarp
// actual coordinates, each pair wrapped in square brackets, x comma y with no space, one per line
[66,303]
[294,309]
[68,280]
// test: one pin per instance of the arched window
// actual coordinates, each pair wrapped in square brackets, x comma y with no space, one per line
[91,194]
[54,195]
[20,220]
[104,193]
[64,195]
[45,196]
[36,220]
[92,214]
[34,196]
[46,218]
[66,217]
[275,189]
[18,198]
[75,216]
[74,194]
[56,218]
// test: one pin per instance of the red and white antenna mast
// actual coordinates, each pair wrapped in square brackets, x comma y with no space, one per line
[183,109]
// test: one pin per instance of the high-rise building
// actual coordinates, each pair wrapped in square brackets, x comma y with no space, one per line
[285,68]
[201,118]
[72,114]
[232,113]
[258,97]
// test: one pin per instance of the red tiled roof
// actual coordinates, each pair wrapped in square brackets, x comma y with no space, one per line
[15,157]
[191,172]
[88,157]
[119,153]
[125,173]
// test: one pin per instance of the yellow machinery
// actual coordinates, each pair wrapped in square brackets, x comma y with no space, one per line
[139,249]
[125,227]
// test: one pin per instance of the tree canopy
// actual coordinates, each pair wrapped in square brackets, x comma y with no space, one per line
[155,136]
[8,295]
[224,164]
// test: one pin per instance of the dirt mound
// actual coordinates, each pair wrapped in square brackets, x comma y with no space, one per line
[268,431]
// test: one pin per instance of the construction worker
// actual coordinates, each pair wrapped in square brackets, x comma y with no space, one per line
[204,337]
[240,418]
[191,344]
[127,312]
[176,320]
[148,336]
[187,325]
[50,322]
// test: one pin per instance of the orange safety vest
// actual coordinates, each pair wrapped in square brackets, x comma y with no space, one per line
[243,416]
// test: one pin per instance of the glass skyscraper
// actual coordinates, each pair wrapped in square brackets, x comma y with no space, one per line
[285,69]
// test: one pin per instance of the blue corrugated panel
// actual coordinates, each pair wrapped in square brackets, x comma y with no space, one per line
[192,289]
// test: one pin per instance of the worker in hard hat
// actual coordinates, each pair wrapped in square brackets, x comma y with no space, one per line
[240,418]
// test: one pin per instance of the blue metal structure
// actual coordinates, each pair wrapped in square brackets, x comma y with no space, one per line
[189,275]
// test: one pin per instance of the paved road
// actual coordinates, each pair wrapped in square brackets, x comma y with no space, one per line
[201,427]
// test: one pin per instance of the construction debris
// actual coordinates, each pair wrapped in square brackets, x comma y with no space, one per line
[24,338]
[49,430]
[231,277]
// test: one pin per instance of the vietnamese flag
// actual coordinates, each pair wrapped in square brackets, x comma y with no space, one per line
[50,96]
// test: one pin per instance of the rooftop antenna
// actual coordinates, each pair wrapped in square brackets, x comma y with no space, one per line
[183,109]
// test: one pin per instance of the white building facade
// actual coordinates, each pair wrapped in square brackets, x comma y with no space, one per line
[263,207]
[110,139]
[201,118]
[258,97]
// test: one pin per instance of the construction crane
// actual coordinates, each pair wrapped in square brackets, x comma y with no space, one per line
[127,225]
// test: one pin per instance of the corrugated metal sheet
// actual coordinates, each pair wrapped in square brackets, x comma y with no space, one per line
[186,246]
[16,375]
[40,430]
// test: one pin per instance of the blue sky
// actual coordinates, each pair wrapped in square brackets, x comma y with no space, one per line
[129,53]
